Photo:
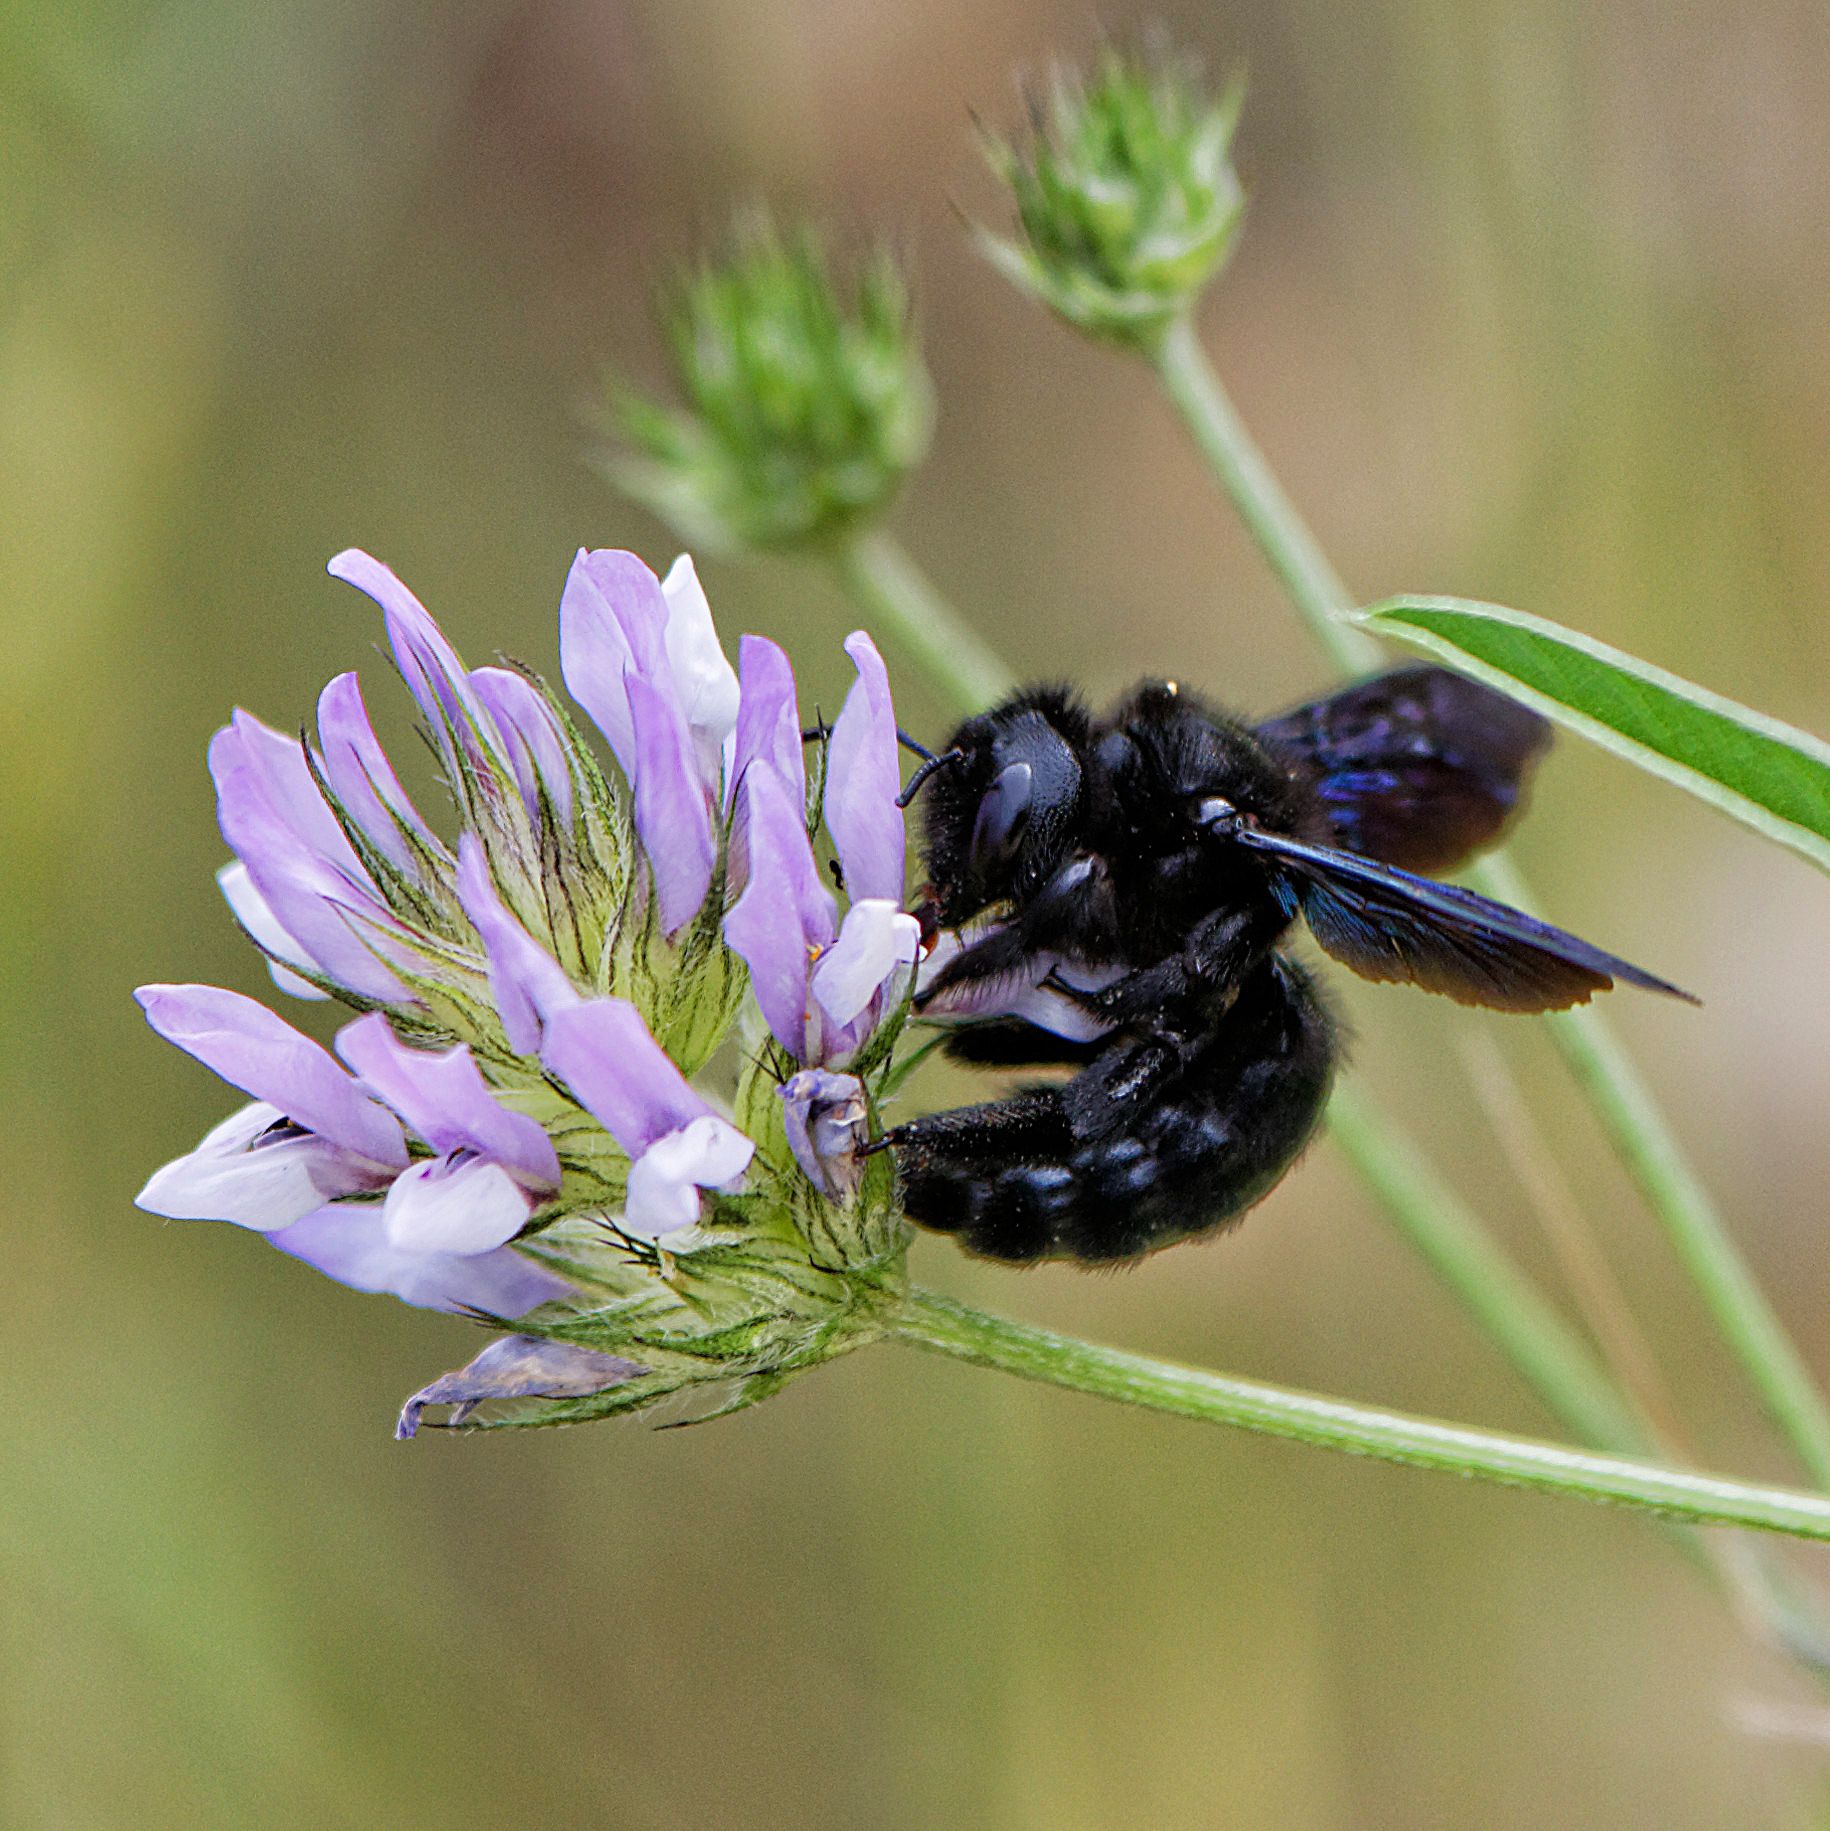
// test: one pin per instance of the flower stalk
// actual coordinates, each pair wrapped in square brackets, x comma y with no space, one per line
[943,1326]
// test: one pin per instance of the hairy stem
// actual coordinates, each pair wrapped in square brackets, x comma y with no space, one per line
[1638,1130]
[946,1327]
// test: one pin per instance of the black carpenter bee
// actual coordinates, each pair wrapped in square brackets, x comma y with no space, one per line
[1143,872]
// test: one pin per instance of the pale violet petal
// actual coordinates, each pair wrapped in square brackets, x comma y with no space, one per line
[442,1095]
[664,1182]
[612,624]
[317,893]
[461,1207]
[254,1049]
[347,1242]
[864,778]
[786,915]
[246,1172]
[657,1203]
[768,730]
[604,1053]
[536,746]
[702,673]
[427,661]
[527,983]
[361,777]
[824,1116]
[875,939]
[519,1367]
[672,815]
[251,910]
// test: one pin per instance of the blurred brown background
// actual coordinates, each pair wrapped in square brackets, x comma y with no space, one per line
[1530,306]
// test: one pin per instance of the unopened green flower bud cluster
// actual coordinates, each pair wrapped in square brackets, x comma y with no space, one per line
[805,403]
[1126,197]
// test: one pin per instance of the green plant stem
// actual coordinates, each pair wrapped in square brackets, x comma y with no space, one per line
[946,1327]
[1628,1113]
[888,585]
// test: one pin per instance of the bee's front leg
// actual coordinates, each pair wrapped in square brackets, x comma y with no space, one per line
[1220,951]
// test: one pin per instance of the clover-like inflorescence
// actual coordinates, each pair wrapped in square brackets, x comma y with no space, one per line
[525,1118]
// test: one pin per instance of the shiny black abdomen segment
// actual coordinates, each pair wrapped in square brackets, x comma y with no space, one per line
[1038,1176]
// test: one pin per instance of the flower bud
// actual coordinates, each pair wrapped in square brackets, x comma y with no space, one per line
[805,403]
[1126,197]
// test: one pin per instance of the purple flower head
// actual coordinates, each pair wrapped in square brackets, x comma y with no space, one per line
[488,1088]
[676,1144]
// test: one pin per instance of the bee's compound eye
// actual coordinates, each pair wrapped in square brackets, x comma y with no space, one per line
[1003,814]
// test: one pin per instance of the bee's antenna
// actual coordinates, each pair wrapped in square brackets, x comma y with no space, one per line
[929,766]
[913,748]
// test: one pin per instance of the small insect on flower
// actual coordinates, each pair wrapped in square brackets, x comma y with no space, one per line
[1133,880]
[510,1126]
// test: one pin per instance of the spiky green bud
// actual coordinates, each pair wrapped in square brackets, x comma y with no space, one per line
[805,401]
[1126,196]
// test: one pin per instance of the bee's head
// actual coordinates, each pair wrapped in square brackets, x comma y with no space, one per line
[1003,803]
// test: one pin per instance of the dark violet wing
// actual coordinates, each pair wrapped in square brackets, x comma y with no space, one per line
[1387,924]
[1419,767]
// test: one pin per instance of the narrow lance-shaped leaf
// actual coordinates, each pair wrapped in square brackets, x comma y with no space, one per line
[1768,775]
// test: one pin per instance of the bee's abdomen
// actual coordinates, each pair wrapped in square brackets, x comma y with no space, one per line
[1019,1180]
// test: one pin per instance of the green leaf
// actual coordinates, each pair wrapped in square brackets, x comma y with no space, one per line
[1769,776]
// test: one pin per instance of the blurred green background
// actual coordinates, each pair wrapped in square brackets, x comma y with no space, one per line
[1530,306]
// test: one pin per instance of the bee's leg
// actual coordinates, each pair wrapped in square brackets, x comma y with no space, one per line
[1072,914]
[1221,950]
[1012,1043]
[1007,1174]
[1163,1135]
[1220,1138]
[958,1169]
